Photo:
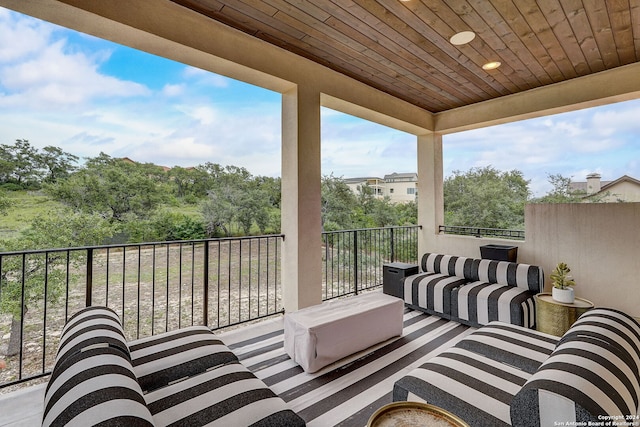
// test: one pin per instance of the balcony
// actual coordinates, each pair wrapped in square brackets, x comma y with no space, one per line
[599,242]
[157,287]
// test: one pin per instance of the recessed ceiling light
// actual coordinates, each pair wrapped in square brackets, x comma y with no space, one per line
[462,37]
[491,65]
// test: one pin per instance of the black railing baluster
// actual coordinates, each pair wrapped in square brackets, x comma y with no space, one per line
[124,274]
[166,301]
[193,279]
[44,309]
[23,312]
[355,261]
[138,278]
[205,284]
[106,296]
[180,287]
[153,291]
[89,278]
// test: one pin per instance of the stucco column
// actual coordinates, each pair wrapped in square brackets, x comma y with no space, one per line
[301,176]
[430,195]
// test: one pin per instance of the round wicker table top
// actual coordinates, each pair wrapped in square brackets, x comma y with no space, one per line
[408,414]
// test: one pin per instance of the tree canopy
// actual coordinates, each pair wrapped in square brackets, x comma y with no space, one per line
[24,166]
[112,188]
[486,197]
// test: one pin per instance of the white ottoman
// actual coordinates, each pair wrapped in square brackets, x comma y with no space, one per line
[316,336]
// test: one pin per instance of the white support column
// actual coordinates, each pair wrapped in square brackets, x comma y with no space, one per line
[430,195]
[301,179]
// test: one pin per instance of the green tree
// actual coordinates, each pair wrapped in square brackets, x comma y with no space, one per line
[485,197]
[337,204]
[24,277]
[20,163]
[188,181]
[115,189]
[218,212]
[561,191]
[407,213]
[57,163]
[236,197]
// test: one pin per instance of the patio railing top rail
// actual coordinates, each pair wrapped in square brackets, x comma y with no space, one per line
[142,244]
[482,232]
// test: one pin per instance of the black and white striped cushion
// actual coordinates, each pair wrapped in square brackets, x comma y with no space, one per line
[524,276]
[229,395]
[582,381]
[95,386]
[478,303]
[162,359]
[91,326]
[613,327]
[515,345]
[474,387]
[431,292]
[450,265]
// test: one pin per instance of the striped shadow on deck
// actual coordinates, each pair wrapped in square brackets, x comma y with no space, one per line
[347,392]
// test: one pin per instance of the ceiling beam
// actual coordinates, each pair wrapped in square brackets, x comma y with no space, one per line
[606,87]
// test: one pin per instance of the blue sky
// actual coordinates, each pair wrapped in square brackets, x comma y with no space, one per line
[86,95]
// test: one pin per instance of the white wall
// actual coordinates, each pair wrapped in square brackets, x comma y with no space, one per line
[599,241]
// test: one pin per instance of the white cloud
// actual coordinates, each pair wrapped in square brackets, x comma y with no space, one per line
[45,72]
[173,90]
[21,37]
[206,78]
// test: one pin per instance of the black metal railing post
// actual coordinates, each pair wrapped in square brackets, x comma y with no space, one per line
[89,278]
[205,290]
[393,246]
[355,261]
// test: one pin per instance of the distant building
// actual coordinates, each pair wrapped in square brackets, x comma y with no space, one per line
[399,187]
[623,189]
[376,184]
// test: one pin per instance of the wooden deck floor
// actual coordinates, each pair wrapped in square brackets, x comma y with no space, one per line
[343,394]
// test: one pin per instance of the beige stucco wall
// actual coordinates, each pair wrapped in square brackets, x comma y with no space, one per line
[623,191]
[599,241]
[399,193]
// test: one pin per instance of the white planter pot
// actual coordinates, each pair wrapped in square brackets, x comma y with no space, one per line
[565,296]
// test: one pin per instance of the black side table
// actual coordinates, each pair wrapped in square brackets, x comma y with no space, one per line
[393,275]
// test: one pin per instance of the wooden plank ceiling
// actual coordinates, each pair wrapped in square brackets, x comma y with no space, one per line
[403,47]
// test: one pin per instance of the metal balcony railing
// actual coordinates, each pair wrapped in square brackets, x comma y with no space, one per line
[483,232]
[353,259]
[156,287]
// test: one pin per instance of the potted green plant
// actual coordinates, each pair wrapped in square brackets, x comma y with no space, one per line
[563,283]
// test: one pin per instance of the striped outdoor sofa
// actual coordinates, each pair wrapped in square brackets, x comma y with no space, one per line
[181,378]
[475,291]
[502,375]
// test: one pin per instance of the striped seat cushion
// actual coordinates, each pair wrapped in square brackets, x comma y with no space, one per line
[478,303]
[450,265]
[474,387]
[162,359]
[524,276]
[613,327]
[229,395]
[89,327]
[431,292]
[95,386]
[523,348]
[583,380]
